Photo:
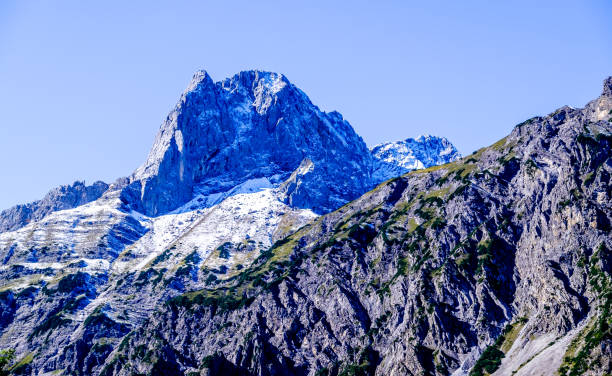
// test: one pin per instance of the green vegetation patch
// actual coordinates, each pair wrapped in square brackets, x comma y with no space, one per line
[579,356]
[164,256]
[511,334]
[402,269]
[49,324]
[222,299]
[492,356]
[69,283]
[150,275]
[6,357]
[529,121]
[21,366]
[489,361]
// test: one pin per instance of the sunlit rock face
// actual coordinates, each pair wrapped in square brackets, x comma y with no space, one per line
[253,125]
[497,263]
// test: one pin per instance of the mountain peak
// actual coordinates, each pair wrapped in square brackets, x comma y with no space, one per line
[423,137]
[200,78]
[254,124]
[251,79]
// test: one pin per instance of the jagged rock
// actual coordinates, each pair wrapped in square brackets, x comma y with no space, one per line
[253,125]
[257,124]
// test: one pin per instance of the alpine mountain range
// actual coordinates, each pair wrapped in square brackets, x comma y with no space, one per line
[261,236]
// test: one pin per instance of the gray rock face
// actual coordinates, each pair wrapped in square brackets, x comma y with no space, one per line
[253,125]
[422,274]
[60,198]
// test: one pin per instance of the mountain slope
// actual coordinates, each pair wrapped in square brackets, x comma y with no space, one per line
[440,271]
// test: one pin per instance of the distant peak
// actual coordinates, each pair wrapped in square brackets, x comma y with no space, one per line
[395,158]
[200,73]
[420,139]
[428,136]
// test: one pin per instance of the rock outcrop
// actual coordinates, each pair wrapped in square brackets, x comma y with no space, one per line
[253,125]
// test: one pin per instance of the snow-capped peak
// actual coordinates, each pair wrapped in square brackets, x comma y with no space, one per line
[398,157]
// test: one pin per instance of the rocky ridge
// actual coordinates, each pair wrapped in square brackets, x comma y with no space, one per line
[253,125]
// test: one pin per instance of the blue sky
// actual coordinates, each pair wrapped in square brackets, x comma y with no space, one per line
[84,86]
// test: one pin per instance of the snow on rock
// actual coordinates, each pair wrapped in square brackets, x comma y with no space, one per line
[60,198]
[396,158]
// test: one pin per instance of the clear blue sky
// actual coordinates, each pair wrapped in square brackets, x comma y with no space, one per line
[84,86]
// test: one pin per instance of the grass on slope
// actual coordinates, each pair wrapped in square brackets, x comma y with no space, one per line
[581,354]
[491,357]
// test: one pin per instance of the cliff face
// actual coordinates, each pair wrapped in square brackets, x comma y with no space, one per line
[257,124]
[253,125]
[499,261]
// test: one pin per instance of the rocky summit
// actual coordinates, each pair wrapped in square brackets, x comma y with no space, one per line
[251,126]
[259,238]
